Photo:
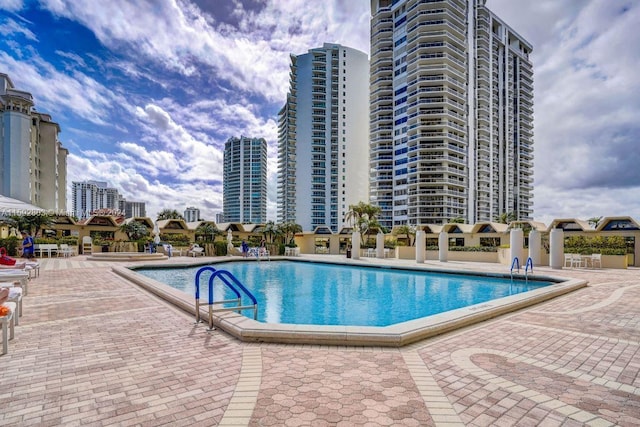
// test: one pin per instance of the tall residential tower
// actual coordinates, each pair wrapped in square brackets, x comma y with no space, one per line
[244,183]
[451,116]
[323,137]
[33,163]
[90,196]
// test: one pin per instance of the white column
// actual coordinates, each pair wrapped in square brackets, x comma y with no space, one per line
[556,253]
[535,243]
[443,246]
[516,239]
[355,245]
[420,246]
[380,245]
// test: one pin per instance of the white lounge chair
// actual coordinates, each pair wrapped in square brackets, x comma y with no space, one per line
[87,245]
[66,250]
[15,295]
[7,321]
[8,326]
[16,276]
[195,251]
[596,259]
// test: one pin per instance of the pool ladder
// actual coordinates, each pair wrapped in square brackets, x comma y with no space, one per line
[233,284]
[516,263]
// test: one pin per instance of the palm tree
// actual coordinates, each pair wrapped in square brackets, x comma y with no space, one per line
[363,217]
[354,215]
[33,223]
[208,230]
[289,229]
[456,220]
[270,230]
[594,221]
[134,230]
[406,230]
[505,217]
[169,214]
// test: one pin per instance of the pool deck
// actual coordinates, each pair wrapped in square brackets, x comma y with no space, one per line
[94,349]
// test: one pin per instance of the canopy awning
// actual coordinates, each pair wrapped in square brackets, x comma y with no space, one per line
[9,206]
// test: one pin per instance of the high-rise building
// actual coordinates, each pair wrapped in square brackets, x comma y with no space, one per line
[133,209]
[451,92]
[191,214]
[323,139]
[219,218]
[89,196]
[244,184]
[33,163]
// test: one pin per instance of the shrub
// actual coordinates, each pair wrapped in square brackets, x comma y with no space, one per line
[11,245]
[220,248]
[473,249]
[69,240]
[466,248]
[584,245]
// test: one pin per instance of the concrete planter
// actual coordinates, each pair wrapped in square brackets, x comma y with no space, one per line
[405,252]
[615,261]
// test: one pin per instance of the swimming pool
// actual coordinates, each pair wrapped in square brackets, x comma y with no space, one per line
[291,292]
[393,335]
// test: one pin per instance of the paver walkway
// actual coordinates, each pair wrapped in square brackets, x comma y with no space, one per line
[94,349]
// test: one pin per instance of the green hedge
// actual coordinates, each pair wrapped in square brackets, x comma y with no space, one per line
[466,248]
[588,250]
[221,248]
[584,245]
[473,249]
[11,245]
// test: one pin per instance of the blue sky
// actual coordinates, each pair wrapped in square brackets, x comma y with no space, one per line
[147,92]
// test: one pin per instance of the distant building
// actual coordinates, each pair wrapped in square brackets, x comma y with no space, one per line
[33,163]
[451,113]
[89,196]
[219,218]
[245,180]
[323,137]
[191,214]
[133,209]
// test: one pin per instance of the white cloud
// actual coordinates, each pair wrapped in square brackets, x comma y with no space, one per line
[252,58]
[11,27]
[587,98]
[587,101]
[11,5]
[58,93]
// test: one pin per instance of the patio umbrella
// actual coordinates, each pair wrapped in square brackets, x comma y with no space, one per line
[9,206]
[156,231]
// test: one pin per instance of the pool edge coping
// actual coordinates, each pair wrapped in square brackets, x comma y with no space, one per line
[397,335]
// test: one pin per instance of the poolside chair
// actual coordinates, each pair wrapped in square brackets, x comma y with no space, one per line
[66,250]
[195,251]
[87,245]
[15,295]
[31,267]
[596,259]
[7,321]
[20,277]
[573,260]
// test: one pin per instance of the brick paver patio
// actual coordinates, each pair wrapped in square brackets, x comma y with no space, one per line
[94,349]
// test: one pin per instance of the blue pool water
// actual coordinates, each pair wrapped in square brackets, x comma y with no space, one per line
[326,294]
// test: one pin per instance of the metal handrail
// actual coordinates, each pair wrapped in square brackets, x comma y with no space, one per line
[526,267]
[232,283]
[515,261]
[197,286]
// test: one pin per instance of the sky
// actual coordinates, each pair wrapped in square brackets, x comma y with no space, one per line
[147,92]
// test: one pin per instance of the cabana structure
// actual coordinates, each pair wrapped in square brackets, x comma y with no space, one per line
[619,226]
[176,226]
